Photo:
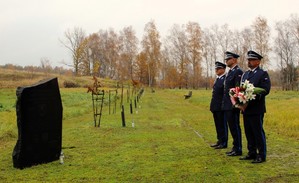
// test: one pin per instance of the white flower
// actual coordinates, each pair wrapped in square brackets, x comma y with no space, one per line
[250,96]
[246,82]
[242,98]
[242,95]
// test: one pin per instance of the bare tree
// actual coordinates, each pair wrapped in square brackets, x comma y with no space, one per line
[73,41]
[261,31]
[128,53]
[286,49]
[151,47]
[85,62]
[45,65]
[112,50]
[109,53]
[224,37]
[209,53]
[294,25]
[177,44]
[247,44]
[194,44]
[241,44]
[94,53]
[169,72]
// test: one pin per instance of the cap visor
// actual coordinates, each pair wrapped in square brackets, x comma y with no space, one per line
[255,58]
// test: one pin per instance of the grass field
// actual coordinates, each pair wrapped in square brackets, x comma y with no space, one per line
[169,143]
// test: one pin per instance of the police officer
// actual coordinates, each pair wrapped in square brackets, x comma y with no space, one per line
[253,113]
[215,107]
[233,79]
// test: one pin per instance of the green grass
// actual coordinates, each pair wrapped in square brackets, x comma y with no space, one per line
[170,142]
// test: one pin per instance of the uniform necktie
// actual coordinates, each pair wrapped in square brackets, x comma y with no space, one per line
[216,80]
[250,73]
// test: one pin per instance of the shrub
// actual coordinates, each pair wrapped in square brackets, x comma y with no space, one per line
[70,84]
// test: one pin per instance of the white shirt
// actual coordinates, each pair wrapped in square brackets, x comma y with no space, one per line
[220,75]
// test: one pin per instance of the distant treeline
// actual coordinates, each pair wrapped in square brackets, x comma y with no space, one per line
[43,68]
[185,57]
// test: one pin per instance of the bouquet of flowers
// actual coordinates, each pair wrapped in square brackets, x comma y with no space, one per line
[240,96]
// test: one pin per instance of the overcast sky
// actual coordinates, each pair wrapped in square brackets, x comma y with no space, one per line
[31,29]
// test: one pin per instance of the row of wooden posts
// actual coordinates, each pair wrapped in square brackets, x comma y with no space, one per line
[98,103]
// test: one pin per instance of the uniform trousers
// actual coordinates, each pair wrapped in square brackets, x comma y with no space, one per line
[221,127]
[233,119]
[255,135]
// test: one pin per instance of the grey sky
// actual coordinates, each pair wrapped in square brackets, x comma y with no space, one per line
[31,29]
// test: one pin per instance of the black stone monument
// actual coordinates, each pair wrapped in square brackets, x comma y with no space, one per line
[39,120]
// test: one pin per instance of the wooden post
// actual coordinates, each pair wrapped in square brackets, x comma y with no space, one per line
[123,116]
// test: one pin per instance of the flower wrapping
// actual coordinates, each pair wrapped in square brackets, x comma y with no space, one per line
[241,95]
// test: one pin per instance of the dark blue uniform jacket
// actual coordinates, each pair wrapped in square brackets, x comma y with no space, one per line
[259,78]
[233,79]
[217,94]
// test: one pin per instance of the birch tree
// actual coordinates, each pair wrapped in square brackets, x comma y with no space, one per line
[261,35]
[151,47]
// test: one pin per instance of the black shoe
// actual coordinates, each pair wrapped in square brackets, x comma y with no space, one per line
[248,157]
[259,160]
[235,153]
[214,145]
[221,146]
[228,152]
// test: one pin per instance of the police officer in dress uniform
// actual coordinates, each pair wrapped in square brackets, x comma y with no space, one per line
[215,107]
[233,79]
[253,113]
